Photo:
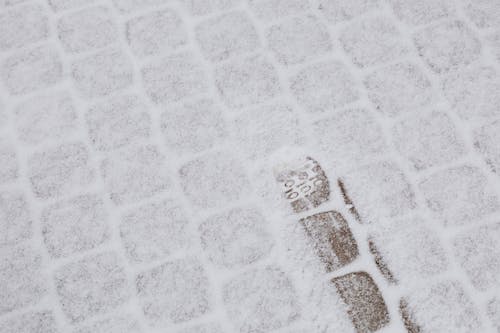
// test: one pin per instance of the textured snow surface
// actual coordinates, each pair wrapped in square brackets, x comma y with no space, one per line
[249,166]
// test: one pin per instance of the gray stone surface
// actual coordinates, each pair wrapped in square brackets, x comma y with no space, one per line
[180,166]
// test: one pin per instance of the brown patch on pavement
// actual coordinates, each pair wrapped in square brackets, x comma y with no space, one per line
[408,319]
[305,186]
[365,304]
[381,264]
[332,239]
[348,201]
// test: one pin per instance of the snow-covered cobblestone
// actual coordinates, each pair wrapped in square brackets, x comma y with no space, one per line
[249,166]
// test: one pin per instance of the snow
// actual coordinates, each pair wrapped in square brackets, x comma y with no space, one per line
[249,166]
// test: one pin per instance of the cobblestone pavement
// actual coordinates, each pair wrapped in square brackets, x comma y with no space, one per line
[220,166]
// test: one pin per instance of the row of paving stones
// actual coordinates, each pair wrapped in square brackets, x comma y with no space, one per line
[369,42]
[164,30]
[306,186]
[139,172]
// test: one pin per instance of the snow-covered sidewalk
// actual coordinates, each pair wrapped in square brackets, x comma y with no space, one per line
[251,166]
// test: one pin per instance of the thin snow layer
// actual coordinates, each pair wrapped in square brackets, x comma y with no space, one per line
[249,166]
